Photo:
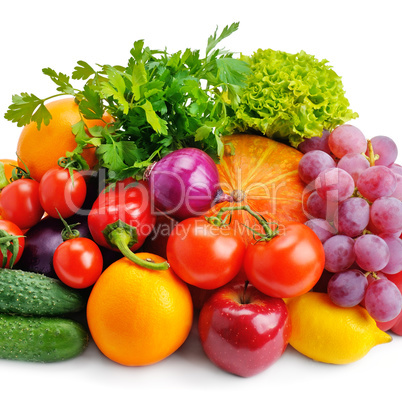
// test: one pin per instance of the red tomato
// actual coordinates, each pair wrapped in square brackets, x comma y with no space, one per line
[78,262]
[288,265]
[57,192]
[8,228]
[19,203]
[205,255]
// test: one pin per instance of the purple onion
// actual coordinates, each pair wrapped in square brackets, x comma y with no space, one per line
[185,183]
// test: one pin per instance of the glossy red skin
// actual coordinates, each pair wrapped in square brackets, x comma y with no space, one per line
[78,262]
[288,265]
[244,339]
[394,325]
[130,204]
[205,255]
[59,194]
[20,204]
[156,242]
[12,229]
[200,296]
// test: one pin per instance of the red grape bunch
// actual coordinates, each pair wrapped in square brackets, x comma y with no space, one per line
[354,205]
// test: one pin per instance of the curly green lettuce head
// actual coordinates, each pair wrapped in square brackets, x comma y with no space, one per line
[290,97]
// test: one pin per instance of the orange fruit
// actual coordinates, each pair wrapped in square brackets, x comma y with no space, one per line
[9,165]
[138,316]
[41,149]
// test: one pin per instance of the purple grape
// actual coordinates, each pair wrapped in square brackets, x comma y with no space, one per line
[321,228]
[312,164]
[354,164]
[383,300]
[394,244]
[339,253]
[347,289]
[398,189]
[352,216]
[371,252]
[347,139]
[386,214]
[386,148]
[315,144]
[318,208]
[376,182]
[334,185]
[397,169]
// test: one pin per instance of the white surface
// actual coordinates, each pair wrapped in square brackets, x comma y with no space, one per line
[361,39]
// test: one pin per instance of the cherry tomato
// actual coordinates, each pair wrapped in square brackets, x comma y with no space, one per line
[203,254]
[7,229]
[78,262]
[20,204]
[59,193]
[288,265]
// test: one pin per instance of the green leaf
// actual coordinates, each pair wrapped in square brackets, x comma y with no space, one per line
[91,105]
[26,108]
[96,131]
[62,80]
[111,156]
[202,133]
[158,124]
[139,78]
[213,40]
[136,50]
[290,97]
[115,87]
[78,130]
[83,71]
[232,71]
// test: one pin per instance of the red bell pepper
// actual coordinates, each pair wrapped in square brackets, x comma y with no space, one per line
[121,218]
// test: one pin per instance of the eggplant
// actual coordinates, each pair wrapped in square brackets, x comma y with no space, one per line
[42,240]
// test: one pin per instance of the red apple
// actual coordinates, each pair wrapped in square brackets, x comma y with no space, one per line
[242,330]
[396,324]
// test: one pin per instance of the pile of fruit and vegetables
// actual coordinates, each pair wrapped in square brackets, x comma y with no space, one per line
[213,189]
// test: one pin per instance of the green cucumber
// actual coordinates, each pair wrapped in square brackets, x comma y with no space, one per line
[28,293]
[40,339]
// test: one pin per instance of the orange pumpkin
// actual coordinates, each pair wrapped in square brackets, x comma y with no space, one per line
[263,174]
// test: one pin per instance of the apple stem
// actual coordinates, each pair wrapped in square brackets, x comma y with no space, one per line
[243,298]
[269,233]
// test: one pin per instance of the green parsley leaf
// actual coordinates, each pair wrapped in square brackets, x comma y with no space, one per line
[213,40]
[62,80]
[139,78]
[115,87]
[82,71]
[159,102]
[91,105]
[26,108]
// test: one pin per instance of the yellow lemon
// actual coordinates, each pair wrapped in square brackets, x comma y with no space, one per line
[325,332]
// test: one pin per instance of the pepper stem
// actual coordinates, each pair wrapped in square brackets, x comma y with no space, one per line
[121,239]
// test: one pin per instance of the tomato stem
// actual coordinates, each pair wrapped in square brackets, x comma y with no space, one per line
[121,239]
[269,233]
[8,242]
[3,178]
[68,232]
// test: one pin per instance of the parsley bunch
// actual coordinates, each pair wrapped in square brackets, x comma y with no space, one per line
[159,101]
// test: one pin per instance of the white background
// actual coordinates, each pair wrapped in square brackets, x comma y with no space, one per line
[361,40]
